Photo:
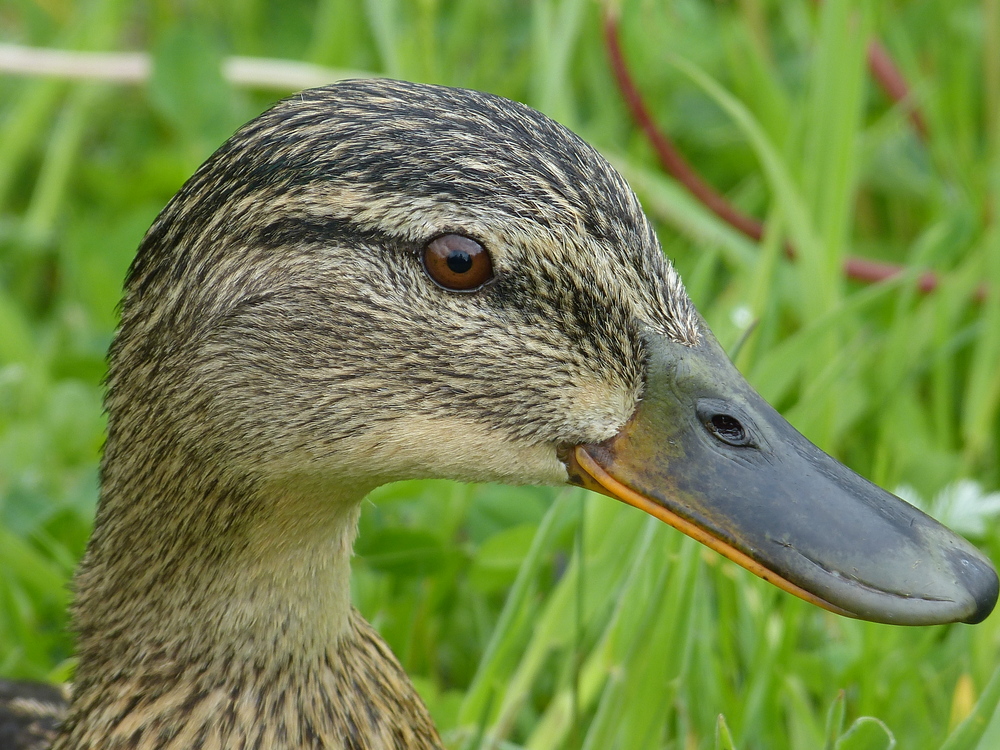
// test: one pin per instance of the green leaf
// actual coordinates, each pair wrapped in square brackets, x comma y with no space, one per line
[967,734]
[723,737]
[499,558]
[518,612]
[867,733]
[835,721]
[403,552]
[188,90]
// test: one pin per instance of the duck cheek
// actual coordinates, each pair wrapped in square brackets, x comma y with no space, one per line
[596,409]
[435,447]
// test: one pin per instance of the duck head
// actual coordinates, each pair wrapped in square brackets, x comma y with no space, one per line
[380,280]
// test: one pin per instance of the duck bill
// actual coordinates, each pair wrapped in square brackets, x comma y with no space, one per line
[706,454]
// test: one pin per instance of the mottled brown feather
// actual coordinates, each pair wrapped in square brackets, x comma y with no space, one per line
[30,714]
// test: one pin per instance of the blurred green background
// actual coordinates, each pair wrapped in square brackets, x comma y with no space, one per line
[553,619]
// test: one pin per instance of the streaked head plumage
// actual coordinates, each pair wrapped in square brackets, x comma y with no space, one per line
[298,247]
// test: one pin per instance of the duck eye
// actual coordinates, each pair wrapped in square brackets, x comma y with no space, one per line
[728,429]
[457,263]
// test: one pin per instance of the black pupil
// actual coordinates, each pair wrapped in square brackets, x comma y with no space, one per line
[728,428]
[459,261]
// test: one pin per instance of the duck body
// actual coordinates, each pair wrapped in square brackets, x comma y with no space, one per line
[290,340]
[30,714]
[354,696]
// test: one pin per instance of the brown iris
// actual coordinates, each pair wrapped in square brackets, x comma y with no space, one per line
[457,263]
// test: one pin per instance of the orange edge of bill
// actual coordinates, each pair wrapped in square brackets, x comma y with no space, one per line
[608,485]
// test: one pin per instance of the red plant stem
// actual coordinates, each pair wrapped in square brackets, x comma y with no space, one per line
[891,80]
[885,72]
[872,271]
[671,159]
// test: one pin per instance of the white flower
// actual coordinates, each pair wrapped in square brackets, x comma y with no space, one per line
[741,317]
[962,506]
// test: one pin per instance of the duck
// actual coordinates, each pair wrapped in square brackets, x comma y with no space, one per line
[379,280]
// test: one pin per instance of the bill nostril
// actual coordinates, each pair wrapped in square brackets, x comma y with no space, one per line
[728,429]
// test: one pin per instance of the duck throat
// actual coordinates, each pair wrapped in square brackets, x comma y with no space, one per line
[202,562]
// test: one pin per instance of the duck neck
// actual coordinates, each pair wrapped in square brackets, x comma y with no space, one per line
[217,568]
[222,618]
[213,603]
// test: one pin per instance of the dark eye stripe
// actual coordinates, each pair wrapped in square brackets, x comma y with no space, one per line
[457,263]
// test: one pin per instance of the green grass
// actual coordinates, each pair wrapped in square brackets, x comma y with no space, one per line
[553,619]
